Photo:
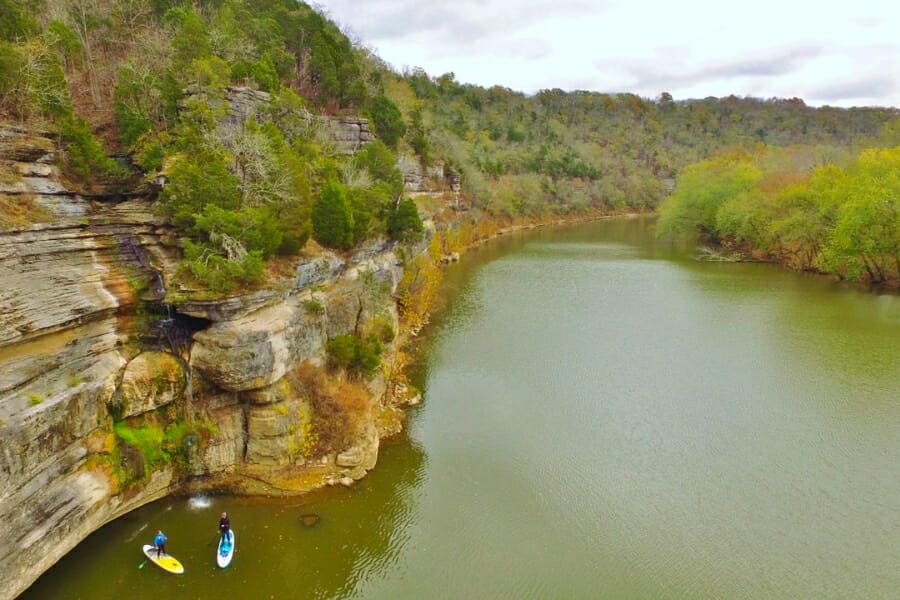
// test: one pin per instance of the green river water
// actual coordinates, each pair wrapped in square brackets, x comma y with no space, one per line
[603,418]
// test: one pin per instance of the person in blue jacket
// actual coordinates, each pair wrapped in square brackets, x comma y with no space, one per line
[160,542]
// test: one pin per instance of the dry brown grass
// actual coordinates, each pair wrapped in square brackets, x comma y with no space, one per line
[280,268]
[8,176]
[342,409]
[20,210]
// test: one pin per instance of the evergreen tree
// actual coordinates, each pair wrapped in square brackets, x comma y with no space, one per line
[404,223]
[332,218]
[387,120]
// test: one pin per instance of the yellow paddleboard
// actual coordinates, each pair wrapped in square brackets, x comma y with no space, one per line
[165,562]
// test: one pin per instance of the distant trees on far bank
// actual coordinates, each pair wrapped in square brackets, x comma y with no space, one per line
[843,220]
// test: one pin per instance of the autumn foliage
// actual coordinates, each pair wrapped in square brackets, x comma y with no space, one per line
[342,409]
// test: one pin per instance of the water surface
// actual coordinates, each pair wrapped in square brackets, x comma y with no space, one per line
[603,418]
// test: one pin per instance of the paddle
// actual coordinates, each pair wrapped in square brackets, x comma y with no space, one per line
[141,566]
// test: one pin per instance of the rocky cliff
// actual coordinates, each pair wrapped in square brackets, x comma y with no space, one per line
[345,134]
[116,390]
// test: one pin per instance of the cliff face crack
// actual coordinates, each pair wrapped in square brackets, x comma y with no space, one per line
[245,432]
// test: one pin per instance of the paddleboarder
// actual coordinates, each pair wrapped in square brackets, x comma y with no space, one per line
[224,526]
[160,542]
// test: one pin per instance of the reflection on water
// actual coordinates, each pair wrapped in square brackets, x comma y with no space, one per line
[603,418]
[360,532]
[199,502]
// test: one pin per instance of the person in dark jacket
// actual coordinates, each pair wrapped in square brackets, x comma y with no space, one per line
[160,542]
[224,526]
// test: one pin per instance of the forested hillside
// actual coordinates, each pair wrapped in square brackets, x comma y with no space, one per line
[616,150]
[138,87]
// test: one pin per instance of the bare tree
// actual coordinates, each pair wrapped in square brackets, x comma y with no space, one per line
[82,16]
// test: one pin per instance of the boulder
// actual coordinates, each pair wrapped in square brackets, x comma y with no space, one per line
[255,351]
[151,379]
[225,309]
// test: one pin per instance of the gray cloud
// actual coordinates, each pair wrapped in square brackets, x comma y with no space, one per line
[528,48]
[873,86]
[463,21]
[669,74]
[394,19]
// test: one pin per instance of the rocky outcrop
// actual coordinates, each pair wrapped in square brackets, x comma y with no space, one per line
[345,134]
[244,103]
[348,134]
[23,144]
[72,275]
[256,350]
[419,179]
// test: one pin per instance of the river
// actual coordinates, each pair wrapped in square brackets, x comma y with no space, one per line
[604,418]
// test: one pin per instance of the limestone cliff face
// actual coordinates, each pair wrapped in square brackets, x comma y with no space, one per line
[112,397]
[417,178]
[345,134]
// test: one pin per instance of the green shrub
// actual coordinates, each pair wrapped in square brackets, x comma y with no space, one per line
[342,351]
[295,227]
[191,40]
[149,152]
[137,102]
[146,439]
[313,307]
[32,81]
[63,40]
[383,328]
[256,229]
[332,218]
[354,355]
[381,163]
[404,223]
[218,273]
[334,74]
[195,182]
[386,120]
[85,157]
[17,22]
[418,139]
[10,69]
[366,204]
[263,72]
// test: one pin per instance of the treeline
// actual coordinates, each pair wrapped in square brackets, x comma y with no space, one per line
[777,204]
[562,151]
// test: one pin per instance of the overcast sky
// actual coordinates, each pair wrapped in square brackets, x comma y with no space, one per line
[843,53]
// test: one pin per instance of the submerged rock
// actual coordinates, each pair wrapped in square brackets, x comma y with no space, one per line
[309,520]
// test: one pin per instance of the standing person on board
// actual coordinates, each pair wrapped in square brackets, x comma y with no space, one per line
[160,542]
[224,526]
